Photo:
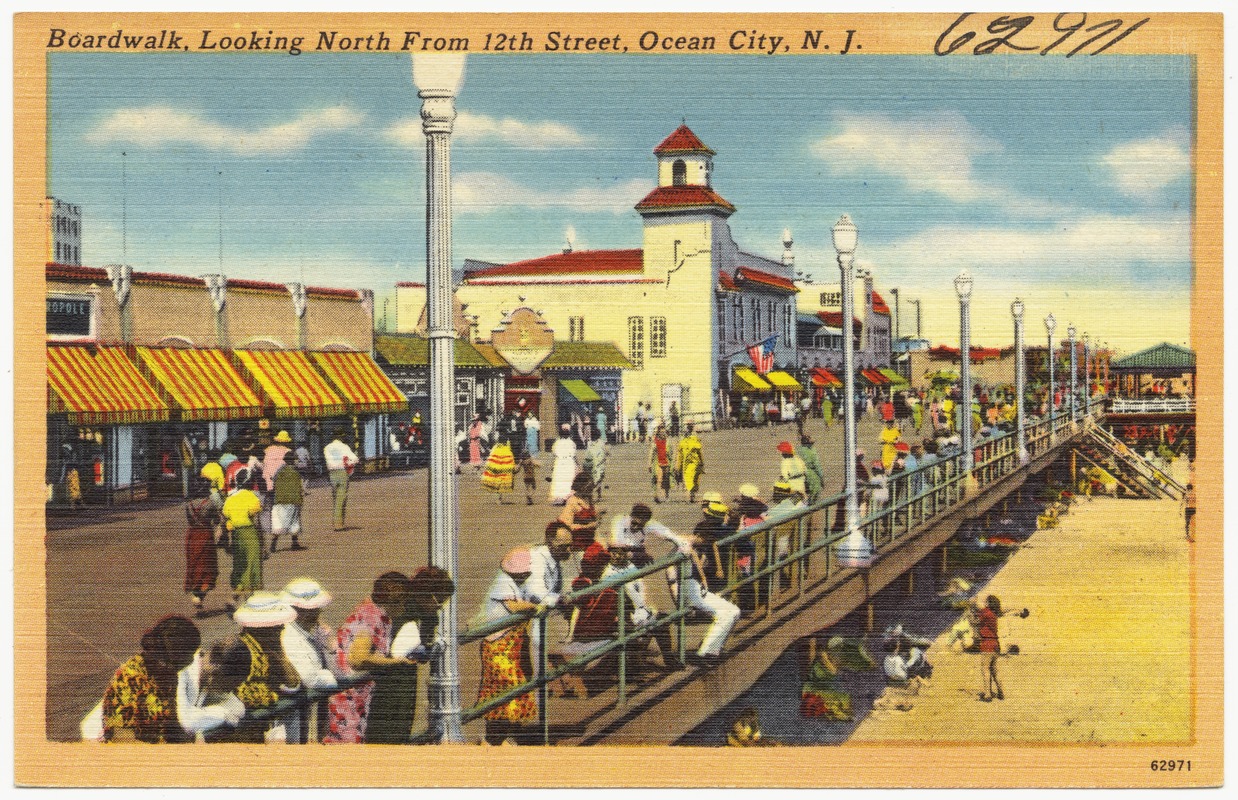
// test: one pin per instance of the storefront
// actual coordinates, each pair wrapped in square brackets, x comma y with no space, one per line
[99,407]
[584,377]
[786,387]
[748,389]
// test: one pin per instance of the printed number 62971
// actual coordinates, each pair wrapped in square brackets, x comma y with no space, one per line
[1170,765]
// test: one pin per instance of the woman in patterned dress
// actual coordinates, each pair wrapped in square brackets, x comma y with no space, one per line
[500,470]
[365,644]
[504,653]
[140,703]
[262,618]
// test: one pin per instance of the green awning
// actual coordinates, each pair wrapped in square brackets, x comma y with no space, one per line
[580,390]
[895,378]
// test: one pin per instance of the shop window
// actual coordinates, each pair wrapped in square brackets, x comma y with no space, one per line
[636,341]
[576,331]
[657,337]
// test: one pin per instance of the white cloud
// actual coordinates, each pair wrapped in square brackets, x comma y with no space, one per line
[486,192]
[930,153]
[1143,167]
[538,135]
[160,126]
[1075,252]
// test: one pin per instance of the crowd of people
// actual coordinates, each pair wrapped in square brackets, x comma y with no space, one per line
[245,499]
[178,689]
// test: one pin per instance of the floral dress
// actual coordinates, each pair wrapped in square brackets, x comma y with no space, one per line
[349,710]
[134,700]
[502,658]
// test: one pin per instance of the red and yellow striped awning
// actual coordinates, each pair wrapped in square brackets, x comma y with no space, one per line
[364,386]
[291,383]
[201,383]
[100,386]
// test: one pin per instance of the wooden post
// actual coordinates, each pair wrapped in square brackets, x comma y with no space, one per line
[868,602]
[911,581]
[1073,471]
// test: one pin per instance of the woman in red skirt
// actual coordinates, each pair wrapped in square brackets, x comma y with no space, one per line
[201,562]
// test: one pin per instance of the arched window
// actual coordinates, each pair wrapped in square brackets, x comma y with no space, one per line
[679,173]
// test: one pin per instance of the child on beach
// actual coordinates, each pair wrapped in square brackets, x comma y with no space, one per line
[990,646]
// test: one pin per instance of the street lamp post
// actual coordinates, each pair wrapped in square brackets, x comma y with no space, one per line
[894,292]
[1087,379]
[855,550]
[438,78]
[1074,374]
[963,286]
[917,302]
[1050,325]
[1020,378]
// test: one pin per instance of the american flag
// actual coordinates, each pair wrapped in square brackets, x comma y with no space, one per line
[762,355]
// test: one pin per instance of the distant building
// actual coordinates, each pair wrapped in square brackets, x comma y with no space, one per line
[820,325]
[64,232]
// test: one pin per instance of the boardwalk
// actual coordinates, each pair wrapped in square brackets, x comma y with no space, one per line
[109,579]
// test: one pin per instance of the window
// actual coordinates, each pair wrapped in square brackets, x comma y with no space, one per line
[679,173]
[737,318]
[577,329]
[787,322]
[756,318]
[720,301]
[636,341]
[831,298]
[770,322]
[657,337]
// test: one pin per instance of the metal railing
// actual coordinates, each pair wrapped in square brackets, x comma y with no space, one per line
[1156,405]
[791,558]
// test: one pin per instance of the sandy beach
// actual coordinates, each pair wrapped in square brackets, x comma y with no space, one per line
[1105,654]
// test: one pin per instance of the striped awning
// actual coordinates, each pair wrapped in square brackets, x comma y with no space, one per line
[873,377]
[580,390]
[823,377]
[201,384]
[745,380]
[363,385]
[290,382]
[894,378]
[783,381]
[102,387]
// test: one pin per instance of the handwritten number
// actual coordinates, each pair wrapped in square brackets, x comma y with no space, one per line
[1119,38]
[1008,26]
[1068,31]
[957,43]
[1109,26]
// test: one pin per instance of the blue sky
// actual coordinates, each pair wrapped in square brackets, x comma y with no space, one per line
[1064,181]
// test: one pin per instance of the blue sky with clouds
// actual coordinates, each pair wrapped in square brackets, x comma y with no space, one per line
[1065,181]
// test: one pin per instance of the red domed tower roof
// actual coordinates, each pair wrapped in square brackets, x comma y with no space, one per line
[683,140]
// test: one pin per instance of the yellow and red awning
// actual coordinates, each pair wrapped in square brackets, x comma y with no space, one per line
[201,383]
[363,385]
[823,377]
[290,382]
[100,386]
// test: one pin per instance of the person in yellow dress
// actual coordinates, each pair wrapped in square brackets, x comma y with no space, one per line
[690,461]
[239,512]
[889,444]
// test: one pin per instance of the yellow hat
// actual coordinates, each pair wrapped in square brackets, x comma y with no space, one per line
[282,437]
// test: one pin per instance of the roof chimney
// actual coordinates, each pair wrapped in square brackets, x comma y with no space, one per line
[570,236]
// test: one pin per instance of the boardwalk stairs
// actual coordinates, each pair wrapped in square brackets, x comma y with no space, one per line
[1135,474]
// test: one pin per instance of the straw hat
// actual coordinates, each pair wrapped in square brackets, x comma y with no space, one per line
[517,561]
[282,437]
[750,490]
[711,497]
[306,593]
[717,509]
[264,610]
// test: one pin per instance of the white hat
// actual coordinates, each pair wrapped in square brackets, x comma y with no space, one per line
[306,593]
[264,610]
[750,490]
[620,536]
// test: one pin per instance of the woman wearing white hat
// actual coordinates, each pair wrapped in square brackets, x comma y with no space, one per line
[262,618]
[564,451]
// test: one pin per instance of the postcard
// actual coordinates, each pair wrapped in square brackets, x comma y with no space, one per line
[785,398]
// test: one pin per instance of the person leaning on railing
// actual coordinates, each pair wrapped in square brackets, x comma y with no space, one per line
[504,652]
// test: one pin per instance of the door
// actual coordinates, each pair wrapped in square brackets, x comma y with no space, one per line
[675,393]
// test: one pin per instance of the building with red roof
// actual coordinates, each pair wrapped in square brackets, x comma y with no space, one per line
[684,307]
